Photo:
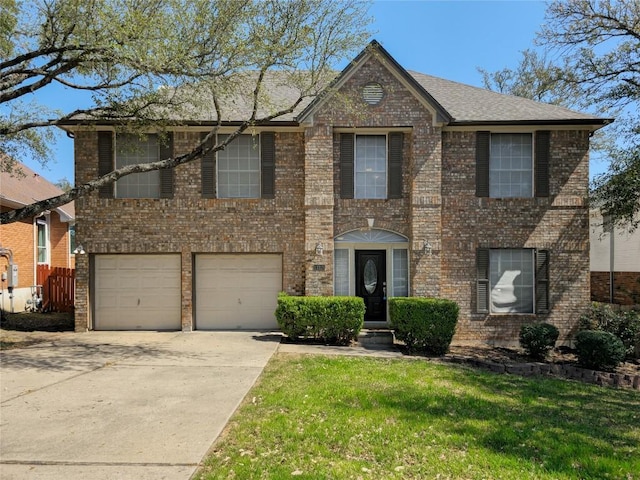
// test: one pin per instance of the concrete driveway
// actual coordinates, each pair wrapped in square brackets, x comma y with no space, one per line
[123,405]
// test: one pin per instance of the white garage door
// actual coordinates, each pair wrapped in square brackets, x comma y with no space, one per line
[137,292]
[237,291]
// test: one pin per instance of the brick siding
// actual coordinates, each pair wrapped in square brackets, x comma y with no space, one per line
[19,238]
[558,223]
[188,224]
[438,206]
[626,287]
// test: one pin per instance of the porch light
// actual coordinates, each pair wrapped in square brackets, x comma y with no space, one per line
[427,247]
[319,249]
[79,250]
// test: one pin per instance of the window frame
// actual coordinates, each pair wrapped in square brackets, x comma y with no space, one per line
[257,144]
[155,173]
[541,281]
[394,151]
[532,285]
[356,173]
[541,164]
[43,221]
[532,161]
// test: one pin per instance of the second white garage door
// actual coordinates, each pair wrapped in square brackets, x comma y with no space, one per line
[137,292]
[237,291]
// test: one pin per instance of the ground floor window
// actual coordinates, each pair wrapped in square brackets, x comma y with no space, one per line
[400,272]
[512,280]
[511,274]
[341,272]
[43,240]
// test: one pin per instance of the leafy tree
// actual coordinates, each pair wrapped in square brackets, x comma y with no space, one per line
[150,63]
[64,184]
[598,46]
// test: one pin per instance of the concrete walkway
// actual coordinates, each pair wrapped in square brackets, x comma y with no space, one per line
[123,405]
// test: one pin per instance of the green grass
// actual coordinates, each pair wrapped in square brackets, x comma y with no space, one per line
[314,417]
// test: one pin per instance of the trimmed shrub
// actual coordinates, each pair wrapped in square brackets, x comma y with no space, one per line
[330,319]
[599,350]
[424,324]
[538,338]
[623,324]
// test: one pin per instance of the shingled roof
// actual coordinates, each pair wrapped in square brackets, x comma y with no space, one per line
[473,105]
[455,104]
[21,189]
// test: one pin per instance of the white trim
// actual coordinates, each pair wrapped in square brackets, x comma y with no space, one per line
[356,163]
[44,220]
[518,128]
[155,173]
[196,128]
[533,287]
[373,130]
[532,162]
[258,144]
[388,247]
[371,234]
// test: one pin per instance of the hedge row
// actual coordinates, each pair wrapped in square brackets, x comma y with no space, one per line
[330,319]
[424,324]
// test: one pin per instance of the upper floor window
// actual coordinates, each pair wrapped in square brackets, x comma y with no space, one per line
[244,169]
[42,233]
[123,149]
[131,150]
[371,166]
[512,165]
[239,168]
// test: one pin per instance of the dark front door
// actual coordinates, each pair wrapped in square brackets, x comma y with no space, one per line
[371,283]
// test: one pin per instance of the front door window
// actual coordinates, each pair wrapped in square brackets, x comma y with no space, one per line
[371,283]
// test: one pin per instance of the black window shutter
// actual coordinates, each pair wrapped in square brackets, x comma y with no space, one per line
[268,164]
[105,161]
[542,281]
[208,171]
[346,165]
[166,174]
[482,283]
[542,163]
[396,140]
[483,145]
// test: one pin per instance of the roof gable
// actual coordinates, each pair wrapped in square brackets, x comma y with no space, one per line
[374,48]
[20,189]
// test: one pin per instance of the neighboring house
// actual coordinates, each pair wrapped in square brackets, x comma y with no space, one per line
[41,240]
[428,188]
[615,263]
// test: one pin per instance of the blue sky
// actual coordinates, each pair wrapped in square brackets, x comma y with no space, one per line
[448,39]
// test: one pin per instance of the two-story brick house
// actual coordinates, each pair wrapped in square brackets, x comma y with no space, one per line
[426,187]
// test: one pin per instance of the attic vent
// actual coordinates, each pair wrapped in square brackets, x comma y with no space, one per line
[372,93]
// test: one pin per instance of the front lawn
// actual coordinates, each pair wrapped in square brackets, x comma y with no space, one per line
[315,417]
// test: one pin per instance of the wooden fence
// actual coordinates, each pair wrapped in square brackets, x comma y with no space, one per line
[58,288]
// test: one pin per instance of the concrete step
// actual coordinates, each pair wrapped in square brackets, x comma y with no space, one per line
[375,337]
